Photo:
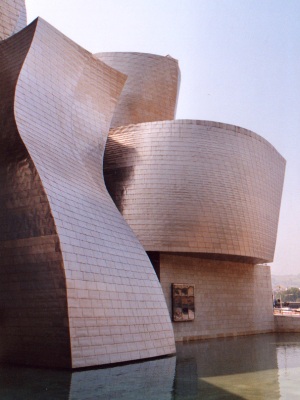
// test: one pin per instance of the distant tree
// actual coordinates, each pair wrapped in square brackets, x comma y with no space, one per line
[290,294]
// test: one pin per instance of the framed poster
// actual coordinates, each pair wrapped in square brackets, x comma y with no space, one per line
[183,302]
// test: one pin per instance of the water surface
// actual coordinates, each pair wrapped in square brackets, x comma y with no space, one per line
[250,367]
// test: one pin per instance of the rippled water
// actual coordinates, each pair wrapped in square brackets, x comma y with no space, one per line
[252,367]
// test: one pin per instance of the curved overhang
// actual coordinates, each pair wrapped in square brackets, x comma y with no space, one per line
[197,187]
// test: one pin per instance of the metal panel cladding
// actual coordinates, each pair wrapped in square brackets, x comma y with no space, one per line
[151,89]
[70,264]
[13,17]
[197,187]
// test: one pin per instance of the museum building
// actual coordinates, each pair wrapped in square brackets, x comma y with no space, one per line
[122,229]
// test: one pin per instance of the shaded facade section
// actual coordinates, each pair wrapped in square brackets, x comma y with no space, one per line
[64,102]
[33,297]
[13,17]
[151,89]
[197,187]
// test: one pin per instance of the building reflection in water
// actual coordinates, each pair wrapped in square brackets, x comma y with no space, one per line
[288,358]
[234,368]
[259,366]
[152,380]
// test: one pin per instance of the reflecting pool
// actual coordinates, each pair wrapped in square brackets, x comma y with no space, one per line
[250,367]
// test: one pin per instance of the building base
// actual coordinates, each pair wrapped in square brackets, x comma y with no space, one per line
[231,298]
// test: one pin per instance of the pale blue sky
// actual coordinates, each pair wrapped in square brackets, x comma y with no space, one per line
[239,61]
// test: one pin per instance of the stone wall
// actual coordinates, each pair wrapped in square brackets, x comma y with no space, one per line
[231,298]
[287,323]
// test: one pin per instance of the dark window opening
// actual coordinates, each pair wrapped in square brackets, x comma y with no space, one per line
[154,257]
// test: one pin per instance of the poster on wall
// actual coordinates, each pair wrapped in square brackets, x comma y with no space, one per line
[183,302]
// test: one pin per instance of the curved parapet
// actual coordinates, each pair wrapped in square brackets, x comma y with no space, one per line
[106,304]
[13,17]
[197,187]
[151,89]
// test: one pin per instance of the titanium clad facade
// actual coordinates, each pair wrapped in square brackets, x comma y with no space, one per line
[151,90]
[12,17]
[33,292]
[59,107]
[202,198]
[197,187]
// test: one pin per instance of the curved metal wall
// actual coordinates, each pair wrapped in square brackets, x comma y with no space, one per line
[33,292]
[12,17]
[64,99]
[151,89]
[197,187]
